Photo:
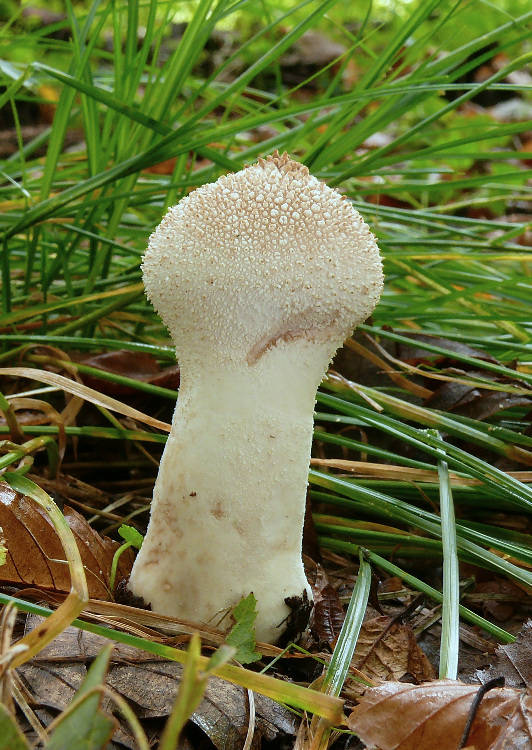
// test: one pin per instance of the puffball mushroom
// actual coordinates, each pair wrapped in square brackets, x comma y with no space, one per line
[259,278]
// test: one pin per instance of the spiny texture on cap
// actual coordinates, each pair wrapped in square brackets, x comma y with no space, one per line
[265,254]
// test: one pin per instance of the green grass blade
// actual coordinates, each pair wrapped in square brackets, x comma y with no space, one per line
[450,623]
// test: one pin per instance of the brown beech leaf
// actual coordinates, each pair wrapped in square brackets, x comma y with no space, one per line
[150,685]
[328,615]
[35,554]
[513,660]
[223,714]
[136,365]
[387,650]
[398,716]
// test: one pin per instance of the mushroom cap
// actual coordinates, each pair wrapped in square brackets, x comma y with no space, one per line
[263,255]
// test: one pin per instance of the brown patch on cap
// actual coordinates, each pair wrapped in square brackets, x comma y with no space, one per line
[284,163]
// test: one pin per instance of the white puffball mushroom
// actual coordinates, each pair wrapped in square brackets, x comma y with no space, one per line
[259,277]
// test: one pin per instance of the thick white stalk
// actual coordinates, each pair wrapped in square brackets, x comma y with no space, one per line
[229,502]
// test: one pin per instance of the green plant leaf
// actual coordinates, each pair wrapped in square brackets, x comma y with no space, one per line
[11,738]
[131,535]
[133,538]
[242,635]
[83,726]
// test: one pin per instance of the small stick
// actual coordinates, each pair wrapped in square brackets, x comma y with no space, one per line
[483,689]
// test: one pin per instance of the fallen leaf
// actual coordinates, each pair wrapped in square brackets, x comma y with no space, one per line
[312,49]
[86,725]
[398,716]
[137,365]
[223,714]
[35,555]
[150,684]
[513,661]
[163,167]
[491,404]
[452,395]
[57,672]
[328,615]
[492,608]
[52,685]
[416,356]
[472,402]
[391,584]
[387,650]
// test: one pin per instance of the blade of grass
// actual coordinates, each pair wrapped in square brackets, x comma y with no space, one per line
[450,620]
[333,681]
[460,459]
[417,584]
[397,510]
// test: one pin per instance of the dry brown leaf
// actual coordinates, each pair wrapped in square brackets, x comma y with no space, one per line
[150,684]
[327,615]
[397,716]
[387,650]
[513,660]
[137,365]
[35,555]
[416,355]
[223,714]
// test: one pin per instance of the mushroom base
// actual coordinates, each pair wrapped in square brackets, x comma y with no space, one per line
[229,501]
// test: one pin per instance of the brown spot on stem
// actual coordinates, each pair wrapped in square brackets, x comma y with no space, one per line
[239,527]
[218,510]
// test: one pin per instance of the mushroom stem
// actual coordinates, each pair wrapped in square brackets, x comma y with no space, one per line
[228,505]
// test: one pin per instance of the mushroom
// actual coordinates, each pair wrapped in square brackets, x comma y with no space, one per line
[259,278]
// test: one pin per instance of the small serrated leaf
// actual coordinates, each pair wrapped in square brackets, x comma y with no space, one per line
[242,635]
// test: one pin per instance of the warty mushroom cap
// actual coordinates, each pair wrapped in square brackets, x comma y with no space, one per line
[266,254]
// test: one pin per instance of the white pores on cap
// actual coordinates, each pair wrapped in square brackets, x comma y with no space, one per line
[259,277]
